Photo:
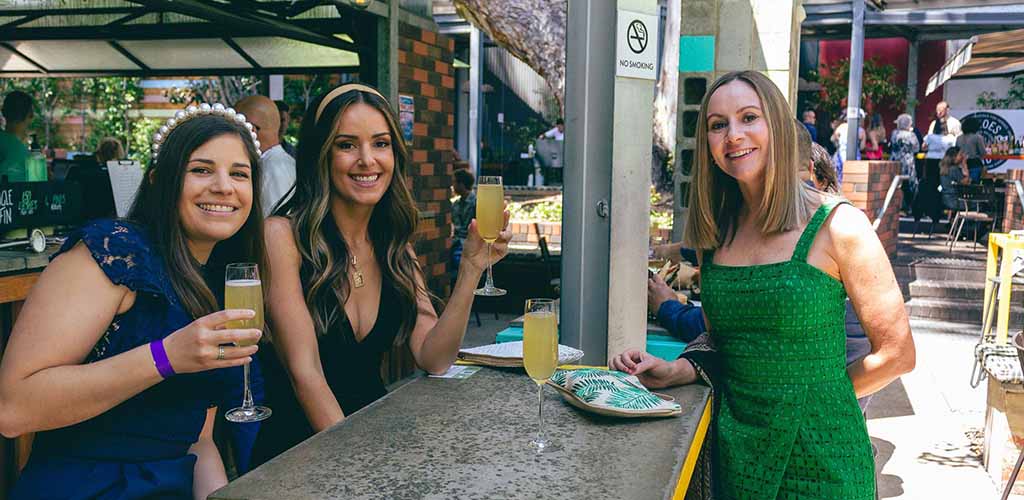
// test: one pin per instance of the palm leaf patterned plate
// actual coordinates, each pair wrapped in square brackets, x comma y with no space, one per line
[611,393]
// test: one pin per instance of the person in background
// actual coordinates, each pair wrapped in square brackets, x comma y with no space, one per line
[972,144]
[943,123]
[286,119]
[839,139]
[809,118]
[18,112]
[873,148]
[786,419]
[928,202]
[557,133]
[822,173]
[278,167]
[92,174]
[903,147]
[953,172]
[122,352]
[347,286]
[463,212]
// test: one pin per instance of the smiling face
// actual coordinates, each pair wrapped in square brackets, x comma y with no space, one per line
[361,157]
[738,135]
[216,193]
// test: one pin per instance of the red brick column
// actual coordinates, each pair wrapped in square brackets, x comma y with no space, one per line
[425,73]
[865,184]
[1014,216]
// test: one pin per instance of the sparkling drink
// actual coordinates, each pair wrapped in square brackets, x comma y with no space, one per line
[490,201]
[243,290]
[540,345]
[244,294]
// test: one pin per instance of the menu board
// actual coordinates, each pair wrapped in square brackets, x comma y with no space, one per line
[38,204]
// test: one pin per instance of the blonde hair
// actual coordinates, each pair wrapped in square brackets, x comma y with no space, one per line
[715,199]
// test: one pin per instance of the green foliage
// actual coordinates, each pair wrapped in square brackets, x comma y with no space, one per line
[525,133]
[109,101]
[878,87]
[549,210]
[1014,96]
[141,136]
[659,217]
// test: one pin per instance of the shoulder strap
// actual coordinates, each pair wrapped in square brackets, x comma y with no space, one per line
[811,231]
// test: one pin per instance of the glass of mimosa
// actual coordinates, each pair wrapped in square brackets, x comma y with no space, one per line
[243,290]
[490,219]
[540,355]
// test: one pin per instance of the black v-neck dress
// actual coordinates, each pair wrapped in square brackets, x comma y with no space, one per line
[352,370]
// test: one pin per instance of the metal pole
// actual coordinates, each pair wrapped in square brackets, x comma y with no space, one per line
[475,71]
[586,227]
[912,77]
[856,72]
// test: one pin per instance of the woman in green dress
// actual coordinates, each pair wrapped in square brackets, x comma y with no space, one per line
[779,259]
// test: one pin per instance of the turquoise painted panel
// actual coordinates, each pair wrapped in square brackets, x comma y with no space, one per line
[662,346]
[696,53]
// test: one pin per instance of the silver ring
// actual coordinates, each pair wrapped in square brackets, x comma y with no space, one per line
[220,353]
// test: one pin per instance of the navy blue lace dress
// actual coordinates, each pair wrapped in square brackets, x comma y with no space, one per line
[139,448]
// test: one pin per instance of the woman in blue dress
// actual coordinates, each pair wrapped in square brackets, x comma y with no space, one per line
[120,352]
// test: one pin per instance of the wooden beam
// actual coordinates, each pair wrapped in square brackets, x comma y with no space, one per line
[15,288]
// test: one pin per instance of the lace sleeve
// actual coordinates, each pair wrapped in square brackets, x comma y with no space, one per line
[121,251]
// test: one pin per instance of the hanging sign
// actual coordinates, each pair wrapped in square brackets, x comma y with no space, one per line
[636,45]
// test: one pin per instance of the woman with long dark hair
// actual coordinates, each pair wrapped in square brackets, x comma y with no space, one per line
[121,352]
[346,283]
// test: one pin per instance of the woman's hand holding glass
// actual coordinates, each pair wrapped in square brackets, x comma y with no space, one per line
[197,346]
[474,250]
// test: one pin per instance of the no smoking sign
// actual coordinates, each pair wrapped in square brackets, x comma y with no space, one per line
[636,47]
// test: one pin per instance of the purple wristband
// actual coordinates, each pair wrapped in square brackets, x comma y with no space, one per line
[163,365]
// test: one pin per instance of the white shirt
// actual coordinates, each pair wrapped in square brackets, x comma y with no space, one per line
[937,145]
[555,134]
[278,176]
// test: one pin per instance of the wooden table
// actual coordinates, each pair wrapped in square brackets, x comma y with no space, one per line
[448,438]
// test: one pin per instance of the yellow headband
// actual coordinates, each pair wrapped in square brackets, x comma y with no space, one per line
[341,90]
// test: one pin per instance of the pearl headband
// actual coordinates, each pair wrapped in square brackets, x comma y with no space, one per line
[341,90]
[193,111]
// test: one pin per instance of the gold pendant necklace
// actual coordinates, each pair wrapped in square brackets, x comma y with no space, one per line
[357,275]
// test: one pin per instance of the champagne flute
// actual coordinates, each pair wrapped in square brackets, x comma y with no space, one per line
[243,290]
[540,356]
[490,218]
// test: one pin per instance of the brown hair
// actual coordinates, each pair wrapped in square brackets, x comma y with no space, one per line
[156,209]
[715,199]
[823,170]
[109,149]
[325,255]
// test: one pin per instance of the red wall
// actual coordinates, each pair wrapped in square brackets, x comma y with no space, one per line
[894,51]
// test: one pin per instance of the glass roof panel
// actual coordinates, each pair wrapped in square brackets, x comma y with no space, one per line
[63,4]
[9,61]
[82,55]
[199,53]
[72,21]
[276,52]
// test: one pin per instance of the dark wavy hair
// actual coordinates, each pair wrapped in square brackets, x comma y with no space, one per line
[156,210]
[325,254]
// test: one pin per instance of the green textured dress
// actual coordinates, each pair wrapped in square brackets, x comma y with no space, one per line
[788,424]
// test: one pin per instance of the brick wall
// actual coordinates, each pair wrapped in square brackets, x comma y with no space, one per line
[425,73]
[1014,215]
[865,184]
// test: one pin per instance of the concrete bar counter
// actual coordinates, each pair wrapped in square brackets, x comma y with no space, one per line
[448,438]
